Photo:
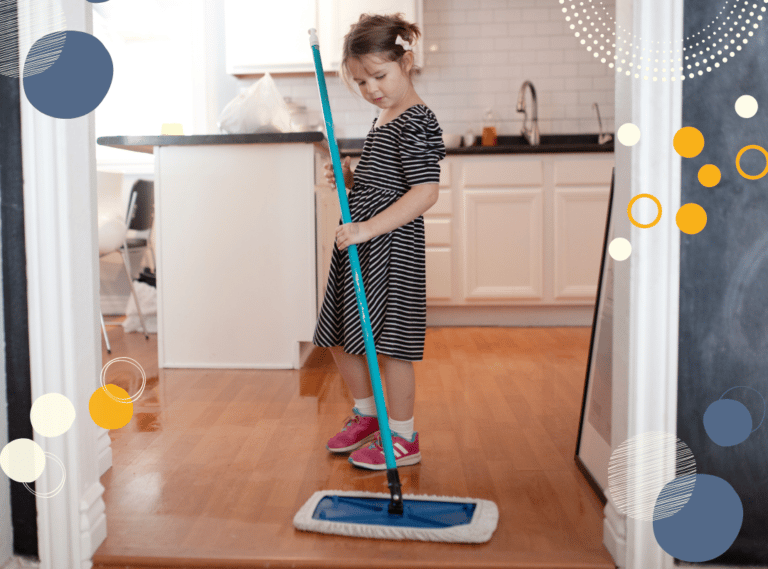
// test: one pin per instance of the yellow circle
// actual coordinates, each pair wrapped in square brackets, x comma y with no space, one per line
[738,160]
[632,219]
[108,413]
[709,175]
[691,218]
[688,142]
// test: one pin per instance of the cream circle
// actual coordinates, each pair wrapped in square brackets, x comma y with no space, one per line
[22,460]
[620,249]
[52,414]
[628,134]
[746,106]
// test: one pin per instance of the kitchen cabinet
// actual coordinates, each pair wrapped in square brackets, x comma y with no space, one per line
[279,42]
[513,239]
[517,230]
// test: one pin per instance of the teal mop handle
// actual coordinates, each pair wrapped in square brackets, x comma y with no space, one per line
[362,305]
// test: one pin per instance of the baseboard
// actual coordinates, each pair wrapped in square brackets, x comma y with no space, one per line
[93,522]
[615,534]
[104,451]
[519,316]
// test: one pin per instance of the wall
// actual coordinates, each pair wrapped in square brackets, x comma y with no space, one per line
[724,278]
[483,51]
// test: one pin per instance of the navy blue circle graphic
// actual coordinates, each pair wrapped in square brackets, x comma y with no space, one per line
[727,422]
[76,83]
[706,526]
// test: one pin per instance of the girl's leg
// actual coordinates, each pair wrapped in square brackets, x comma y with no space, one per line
[354,371]
[401,387]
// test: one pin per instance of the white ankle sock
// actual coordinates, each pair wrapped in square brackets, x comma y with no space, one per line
[402,428]
[366,406]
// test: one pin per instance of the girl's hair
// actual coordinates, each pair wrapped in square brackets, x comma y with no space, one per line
[374,33]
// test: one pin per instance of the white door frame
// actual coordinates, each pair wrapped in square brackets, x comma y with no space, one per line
[646,286]
[64,335]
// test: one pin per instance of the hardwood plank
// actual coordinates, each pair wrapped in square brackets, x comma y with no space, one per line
[215,463]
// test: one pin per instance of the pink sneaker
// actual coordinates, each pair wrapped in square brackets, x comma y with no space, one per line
[357,431]
[372,456]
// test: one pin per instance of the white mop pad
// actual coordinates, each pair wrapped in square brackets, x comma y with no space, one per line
[479,530]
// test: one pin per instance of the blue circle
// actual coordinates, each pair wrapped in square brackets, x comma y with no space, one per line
[706,526]
[727,422]
[78,80]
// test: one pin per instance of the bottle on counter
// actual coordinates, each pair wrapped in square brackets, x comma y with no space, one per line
[490,120]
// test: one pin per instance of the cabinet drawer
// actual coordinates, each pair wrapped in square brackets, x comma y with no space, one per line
[583,172]
[504,172]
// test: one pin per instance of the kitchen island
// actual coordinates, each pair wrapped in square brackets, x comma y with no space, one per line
[235,247]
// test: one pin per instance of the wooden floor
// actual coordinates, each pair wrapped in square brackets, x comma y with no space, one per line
[215,463]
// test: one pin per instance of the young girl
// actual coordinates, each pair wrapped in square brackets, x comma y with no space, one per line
[395,182]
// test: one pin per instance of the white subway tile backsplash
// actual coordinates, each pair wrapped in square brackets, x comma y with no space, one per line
[507,44]
[493,57]
[535,15]
[550,28]
[485,50]
[480,16]
[493,30]
[480,44]
[508,15]
[549,57]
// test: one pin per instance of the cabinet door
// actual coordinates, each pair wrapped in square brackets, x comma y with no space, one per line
[269,37]
[581,192]
[336,17]
[502,234]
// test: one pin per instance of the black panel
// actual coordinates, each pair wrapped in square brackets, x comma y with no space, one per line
[23,509]
[724,275]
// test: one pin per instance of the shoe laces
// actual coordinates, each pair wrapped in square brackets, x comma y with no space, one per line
[349,420]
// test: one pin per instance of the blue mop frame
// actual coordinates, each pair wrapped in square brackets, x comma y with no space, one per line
[362,305]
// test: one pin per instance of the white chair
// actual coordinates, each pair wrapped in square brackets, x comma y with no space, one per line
[112,239]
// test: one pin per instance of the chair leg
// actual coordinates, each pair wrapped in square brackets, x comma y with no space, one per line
[127,264]
[104,330]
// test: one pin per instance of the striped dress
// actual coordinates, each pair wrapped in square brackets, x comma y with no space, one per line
[402,153]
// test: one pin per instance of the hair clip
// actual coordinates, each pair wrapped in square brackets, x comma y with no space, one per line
[405,44]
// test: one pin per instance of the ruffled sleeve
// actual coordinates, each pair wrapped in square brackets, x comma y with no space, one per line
[421,149]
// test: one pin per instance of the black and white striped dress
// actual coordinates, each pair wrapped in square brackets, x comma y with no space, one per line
[398,155]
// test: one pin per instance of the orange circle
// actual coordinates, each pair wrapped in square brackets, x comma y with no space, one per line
[688,142]
[632,219]
[691,218]
[108,408]
[738,160]
[709,175]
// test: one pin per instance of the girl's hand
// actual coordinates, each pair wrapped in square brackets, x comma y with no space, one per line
[352,234]
[349,179]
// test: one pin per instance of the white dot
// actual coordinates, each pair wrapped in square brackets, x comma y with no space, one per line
[52,414]
[746,106]
[22,460]
[620,249]
[628,134]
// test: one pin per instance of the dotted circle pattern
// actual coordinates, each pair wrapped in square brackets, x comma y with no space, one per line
[726,34]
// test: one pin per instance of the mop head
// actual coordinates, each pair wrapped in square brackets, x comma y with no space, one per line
[425,518]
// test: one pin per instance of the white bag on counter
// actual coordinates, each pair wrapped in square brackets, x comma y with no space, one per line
[258,109]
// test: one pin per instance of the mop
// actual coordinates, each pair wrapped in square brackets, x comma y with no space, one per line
[372,514]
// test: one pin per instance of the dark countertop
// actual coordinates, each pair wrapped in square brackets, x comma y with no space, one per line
[147,143]
[551,143]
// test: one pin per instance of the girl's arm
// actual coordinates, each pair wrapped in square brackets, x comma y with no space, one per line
[415,202]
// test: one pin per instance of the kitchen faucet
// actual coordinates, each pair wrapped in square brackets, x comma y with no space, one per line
[601,138]
[530,134]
